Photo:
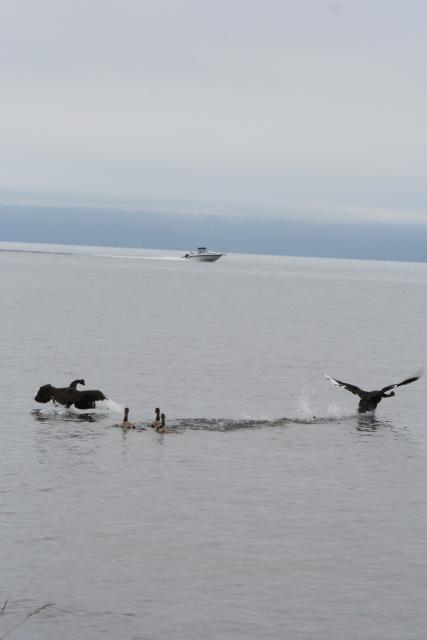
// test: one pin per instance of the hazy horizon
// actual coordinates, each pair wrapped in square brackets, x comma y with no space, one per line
[255,234]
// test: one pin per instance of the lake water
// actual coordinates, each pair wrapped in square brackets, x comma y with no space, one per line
[272,510]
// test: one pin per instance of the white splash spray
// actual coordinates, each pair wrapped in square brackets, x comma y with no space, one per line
[305,409]
[336,412]
[109,405]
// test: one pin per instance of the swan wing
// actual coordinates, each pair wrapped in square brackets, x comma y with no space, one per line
[413,378]
[350,387]
[94,394]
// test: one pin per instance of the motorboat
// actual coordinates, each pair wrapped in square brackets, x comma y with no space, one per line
[203,255]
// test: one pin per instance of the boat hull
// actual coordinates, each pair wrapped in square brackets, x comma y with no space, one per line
[204,258]
[203,255]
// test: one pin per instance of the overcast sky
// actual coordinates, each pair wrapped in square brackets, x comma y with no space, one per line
[297,107]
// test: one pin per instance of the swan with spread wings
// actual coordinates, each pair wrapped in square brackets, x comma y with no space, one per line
[369,400]
[70,395]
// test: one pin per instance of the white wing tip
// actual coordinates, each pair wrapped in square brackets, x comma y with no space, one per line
[330,379]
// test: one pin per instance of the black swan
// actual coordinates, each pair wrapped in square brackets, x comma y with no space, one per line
[70,395]
[369,400]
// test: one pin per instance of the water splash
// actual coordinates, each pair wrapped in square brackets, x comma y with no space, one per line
[57,413]
[110,405]
[305,410]
[335,412]
[105,408]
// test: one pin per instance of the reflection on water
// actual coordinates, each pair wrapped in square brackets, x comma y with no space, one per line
[65,416]
[368,422]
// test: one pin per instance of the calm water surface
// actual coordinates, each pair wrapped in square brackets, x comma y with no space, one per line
[272,510]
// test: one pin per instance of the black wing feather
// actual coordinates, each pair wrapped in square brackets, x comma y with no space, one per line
[93,394]
[350,387]
[413,378]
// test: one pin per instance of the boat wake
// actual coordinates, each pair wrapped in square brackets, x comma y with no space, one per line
[41,251]
[130,257]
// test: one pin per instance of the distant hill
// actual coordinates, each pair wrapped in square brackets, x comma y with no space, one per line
[239,234]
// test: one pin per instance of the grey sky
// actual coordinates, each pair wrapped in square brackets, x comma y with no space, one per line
[296,107]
